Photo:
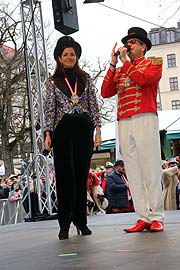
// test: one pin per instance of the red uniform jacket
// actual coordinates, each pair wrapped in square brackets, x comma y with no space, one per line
[92,180]
[136,86]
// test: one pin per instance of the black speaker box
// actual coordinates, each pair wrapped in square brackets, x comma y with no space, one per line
[65,16]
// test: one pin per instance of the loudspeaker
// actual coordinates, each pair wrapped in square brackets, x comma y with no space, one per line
[65,16]
[92,1]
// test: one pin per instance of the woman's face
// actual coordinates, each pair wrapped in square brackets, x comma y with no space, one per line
[68,58]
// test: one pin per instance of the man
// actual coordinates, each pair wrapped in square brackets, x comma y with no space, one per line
[136,84]
[118,190]
[171,188]
[108,169]
[172,162]
[170,183]
[95,194]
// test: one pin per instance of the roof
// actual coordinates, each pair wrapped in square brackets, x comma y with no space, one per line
[168,119]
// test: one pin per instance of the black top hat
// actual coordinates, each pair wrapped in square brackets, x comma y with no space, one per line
[66,42]
[139,33]
[119,162]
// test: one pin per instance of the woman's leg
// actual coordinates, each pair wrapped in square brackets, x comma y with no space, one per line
[83,148]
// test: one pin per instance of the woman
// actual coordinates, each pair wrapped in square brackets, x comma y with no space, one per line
[16,192]
[71,115]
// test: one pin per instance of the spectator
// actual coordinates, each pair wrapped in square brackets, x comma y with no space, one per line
[172,162]
[95,195]
[92,180]
[8,182]
[99,173]
[31,186]
[16,192]
[118,190]
[170,183]
[2,188]
[6,185]
[164,164]
[178,191]
[108,169]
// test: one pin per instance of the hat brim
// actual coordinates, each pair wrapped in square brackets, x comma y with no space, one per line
[140,37]
[13,176]
[118,164]
[109,166]
[67,44]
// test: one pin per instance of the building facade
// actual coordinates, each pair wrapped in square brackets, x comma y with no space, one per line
[166,44]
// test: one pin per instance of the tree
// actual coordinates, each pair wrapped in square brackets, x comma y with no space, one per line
[14,124]
[107,106]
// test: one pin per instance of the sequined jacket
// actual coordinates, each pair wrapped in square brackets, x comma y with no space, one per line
[136,86]
[58,104]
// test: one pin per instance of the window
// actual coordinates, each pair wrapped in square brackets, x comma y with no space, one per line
[170,36]
[173,81]
[175,104]
[171,60]
[155,38]
[163,36]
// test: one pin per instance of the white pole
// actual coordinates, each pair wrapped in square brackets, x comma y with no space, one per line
[118,153]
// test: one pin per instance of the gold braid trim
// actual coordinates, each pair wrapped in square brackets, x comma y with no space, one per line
[157,61]
[136,108]
[137,94]
[135,101]
[134,71]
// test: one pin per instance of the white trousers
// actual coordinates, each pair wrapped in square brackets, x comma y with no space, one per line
[140,147]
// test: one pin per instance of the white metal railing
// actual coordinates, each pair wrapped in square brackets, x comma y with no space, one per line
[12,212]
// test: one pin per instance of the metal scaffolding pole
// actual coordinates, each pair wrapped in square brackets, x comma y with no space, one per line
[37,76]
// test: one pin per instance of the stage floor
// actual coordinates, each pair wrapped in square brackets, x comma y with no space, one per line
[35,246]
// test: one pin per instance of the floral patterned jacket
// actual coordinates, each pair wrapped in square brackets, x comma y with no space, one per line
[58,104]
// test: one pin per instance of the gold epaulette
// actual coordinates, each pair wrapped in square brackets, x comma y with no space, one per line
[157,60]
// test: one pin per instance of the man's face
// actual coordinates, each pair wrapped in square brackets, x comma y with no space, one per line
[120,169]
[173,164]
[137,48]
[108,170]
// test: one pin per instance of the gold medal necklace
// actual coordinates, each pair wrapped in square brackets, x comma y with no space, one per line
[74,96]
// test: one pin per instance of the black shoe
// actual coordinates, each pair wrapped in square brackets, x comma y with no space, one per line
[83,230]
[63,234]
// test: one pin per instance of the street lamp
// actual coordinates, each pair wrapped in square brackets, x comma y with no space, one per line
[92,1]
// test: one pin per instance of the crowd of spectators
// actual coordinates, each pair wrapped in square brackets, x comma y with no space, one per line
[107,188]
[7,186]
[110,182]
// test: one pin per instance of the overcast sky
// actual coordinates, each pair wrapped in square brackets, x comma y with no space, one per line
[103,24]
[100,27]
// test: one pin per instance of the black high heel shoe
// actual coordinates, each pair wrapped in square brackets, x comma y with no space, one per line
[63,234]
[83,230]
